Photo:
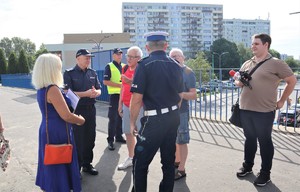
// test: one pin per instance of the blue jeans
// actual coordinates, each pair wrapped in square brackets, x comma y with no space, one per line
[157,132]
[258,126]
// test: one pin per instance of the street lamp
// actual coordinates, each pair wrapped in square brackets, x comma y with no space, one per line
[98,44]
[220,58]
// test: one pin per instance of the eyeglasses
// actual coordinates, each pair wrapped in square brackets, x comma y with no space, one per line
[132,57]
[175,56]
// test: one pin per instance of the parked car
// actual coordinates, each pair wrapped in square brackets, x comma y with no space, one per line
[295,107]
[289,117]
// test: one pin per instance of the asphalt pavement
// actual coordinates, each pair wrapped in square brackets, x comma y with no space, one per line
[215,154]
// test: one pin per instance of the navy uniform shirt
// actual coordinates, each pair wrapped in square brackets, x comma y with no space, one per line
[159,79]
[82,80]
[107,72]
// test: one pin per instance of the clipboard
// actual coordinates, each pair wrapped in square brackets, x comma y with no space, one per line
[74,98]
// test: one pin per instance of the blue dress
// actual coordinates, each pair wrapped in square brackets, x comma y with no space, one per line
[55,178]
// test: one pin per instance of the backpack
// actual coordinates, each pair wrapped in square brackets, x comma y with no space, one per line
[124,69]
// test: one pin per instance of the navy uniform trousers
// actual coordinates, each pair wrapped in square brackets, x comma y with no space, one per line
[115,121]
[157,132]
[87,130]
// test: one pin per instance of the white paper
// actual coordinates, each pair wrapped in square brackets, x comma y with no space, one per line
[73,97]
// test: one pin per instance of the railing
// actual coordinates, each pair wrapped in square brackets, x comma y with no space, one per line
[214,101]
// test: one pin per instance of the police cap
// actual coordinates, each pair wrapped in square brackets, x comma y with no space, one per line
[156,36]
[117,50]
[84,52]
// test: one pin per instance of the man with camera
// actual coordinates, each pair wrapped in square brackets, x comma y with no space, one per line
[258,104]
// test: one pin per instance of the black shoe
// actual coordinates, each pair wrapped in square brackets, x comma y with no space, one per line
[121,140]
[243,172]
[262,179]
[111,146]
[90,169]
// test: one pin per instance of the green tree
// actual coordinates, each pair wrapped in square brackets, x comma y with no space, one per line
[12,64]
[275,53]
[245,53]
[41,51]
[16,44]
[200,66]
[3,62]
[229,61]
[7,45]
[293,63]
[23,63]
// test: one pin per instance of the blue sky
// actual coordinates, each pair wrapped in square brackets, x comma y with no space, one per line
[45,21]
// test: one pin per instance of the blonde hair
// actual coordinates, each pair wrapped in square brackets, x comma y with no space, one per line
[47,71]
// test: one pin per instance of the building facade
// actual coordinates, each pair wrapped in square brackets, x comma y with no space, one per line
[241,30]
[192,27]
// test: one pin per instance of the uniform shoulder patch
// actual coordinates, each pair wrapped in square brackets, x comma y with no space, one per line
[70,69]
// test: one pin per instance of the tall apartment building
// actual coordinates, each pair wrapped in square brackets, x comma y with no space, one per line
[241,30]
[192,27]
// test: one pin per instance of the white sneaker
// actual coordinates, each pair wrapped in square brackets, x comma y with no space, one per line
[125,164]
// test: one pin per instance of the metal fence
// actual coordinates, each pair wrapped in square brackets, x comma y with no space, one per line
[216,95]
[215,98]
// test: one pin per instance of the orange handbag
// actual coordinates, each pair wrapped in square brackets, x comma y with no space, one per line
[57,153]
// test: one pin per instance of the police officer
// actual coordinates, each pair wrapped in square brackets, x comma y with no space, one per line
[112,79]
[157,84]
[85,83]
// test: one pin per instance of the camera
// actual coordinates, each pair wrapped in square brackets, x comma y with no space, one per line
[245,78]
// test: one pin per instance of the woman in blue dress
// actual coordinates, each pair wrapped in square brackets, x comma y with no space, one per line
[47,79]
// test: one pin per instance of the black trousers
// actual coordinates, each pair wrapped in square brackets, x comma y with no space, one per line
[157,132]
[85,135]
[114,119]
[258,126]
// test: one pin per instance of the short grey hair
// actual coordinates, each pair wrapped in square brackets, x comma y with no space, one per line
[137,50]
[176,50]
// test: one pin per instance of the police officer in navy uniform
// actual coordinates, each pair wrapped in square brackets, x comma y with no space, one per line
[85,83]
[112,79]
[158,85]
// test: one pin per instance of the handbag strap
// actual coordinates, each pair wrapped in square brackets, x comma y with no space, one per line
[47,119]
[258,65]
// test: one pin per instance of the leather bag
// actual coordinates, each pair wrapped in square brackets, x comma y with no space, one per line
[4,152]
[57,153]
[235,118]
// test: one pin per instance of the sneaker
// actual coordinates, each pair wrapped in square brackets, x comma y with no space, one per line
[262,179]
[125,164]
[243,172]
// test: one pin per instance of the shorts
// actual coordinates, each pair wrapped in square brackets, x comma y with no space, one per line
[126,120]
[183,131]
